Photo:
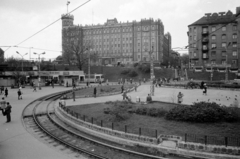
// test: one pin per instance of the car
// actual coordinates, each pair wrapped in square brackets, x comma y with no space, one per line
[109,65]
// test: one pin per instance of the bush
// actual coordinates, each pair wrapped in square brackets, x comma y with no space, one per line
[203,112]
[119,111]
[135,64]
[133,73]
[124,72]
[153,112]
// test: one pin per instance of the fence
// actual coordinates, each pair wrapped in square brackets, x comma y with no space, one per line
[154,133]
[212,140]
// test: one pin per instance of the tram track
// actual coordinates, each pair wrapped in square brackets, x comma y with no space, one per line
[40,117]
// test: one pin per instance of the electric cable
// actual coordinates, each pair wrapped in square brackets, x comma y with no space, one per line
[48,25]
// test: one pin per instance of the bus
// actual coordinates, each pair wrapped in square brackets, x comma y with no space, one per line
[94,78]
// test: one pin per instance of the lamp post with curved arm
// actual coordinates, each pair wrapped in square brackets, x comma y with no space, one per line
[39,77]
[22,57]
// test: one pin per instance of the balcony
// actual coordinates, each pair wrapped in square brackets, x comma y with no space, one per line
[205,48]
[205,32]
[205,40]
[205,56]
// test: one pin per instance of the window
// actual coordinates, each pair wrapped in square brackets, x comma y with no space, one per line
[214,46]
[234,45]
[223,28]
[234,27]
[194,54]
[223,62]
[213,37]
[213,28]
[234,62]
[194,37]
[204,47]
[190,38]
[223,36]
[213,62]
[194,30]
[234,53]
[234,36]
[194,45]
[224,45]
[224,54]
[205,30]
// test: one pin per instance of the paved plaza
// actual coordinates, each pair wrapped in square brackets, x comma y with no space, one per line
[169,94]
[17,143]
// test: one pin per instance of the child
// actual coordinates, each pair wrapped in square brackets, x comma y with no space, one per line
[180,97]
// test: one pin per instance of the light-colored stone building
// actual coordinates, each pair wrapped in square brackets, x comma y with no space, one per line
[118,42]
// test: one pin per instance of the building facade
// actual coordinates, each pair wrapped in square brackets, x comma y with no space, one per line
[1,56]
[118,42]
[214,41]
[167,45]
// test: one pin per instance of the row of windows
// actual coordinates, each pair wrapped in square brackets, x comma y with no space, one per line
[213,54]
[213,37]
[118,30]
[223,61]
[213,28]
[224,45]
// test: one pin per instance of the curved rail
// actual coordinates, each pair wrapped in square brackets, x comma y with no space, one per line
[56,96]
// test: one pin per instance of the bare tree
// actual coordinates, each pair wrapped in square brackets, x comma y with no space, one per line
[78,52]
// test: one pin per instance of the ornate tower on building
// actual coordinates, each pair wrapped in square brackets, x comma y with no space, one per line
[67,20]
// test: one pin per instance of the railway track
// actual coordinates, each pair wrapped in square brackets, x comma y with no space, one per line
[39,119]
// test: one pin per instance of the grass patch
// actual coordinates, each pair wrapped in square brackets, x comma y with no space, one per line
[150,124]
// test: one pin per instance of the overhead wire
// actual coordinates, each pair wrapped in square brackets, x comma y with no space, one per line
[47,26]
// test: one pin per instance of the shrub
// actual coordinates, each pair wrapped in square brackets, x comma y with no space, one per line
[119,111]
[126,71]
[133,73]
[203,112]
[153,112]
[135,64]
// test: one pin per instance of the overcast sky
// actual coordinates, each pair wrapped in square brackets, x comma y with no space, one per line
[20,19]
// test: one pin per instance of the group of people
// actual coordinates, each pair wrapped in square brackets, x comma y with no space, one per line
[6,109]
[4,91]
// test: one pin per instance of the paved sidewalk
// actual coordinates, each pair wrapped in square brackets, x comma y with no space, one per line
[224,97]
[15,141]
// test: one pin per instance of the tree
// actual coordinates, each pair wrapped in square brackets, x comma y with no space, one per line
[184,59]
[77,52]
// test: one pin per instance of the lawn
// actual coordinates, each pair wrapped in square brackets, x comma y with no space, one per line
[150,124]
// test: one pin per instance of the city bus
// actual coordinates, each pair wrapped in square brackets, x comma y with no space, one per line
[94,78]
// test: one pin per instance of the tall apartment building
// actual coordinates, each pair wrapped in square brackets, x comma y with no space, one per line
[1,56]
[167,45]
[118,42]
[214,41]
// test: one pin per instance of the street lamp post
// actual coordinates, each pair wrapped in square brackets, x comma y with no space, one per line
[39,77]
[22,58]
[152,72]
[89,51]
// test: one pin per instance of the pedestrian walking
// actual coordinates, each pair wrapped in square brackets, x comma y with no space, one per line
[52,84]
[180,97]
[6,92]
[122,88]
[135,88]
[95,92]
[204,89]
[2,89]
[3,103]
[149,99]
[19,94]
[124,95]
[7,112]
[74,95]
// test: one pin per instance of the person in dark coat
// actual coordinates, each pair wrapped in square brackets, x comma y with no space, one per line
[95,92]
[122,88]
[6,92]
[19,94]
[74,95]
[7,112]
